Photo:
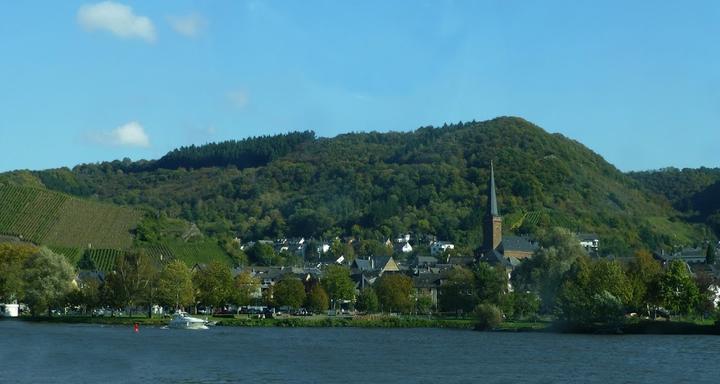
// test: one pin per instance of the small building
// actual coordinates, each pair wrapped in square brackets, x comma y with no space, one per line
[519,247]
[403,248]
[439,247]
[427,285]
[688,255]
[378,264]
[590,242]
[9,310]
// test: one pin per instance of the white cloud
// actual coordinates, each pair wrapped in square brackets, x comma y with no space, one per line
[131,134]
[238,98]
[189,25]
[116,18]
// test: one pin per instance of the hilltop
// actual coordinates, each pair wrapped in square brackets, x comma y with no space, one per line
[377,185]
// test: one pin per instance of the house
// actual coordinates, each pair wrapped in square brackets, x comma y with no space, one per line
[426,261]
[403,239]
[403,247]
[428,285]
[590,242]
[688,255]
[294,246]
[378,264]
[439,247]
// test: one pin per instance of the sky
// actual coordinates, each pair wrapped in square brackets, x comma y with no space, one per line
[82,82]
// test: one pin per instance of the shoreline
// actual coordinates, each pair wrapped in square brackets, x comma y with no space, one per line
[644,327]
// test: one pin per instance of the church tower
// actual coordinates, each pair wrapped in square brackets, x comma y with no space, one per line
[492,228]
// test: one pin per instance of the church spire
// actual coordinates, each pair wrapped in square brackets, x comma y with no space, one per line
[492,199]
[492,231]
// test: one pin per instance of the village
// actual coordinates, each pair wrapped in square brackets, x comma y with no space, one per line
[412,275]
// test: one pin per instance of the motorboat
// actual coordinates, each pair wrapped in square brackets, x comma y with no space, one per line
[181,320]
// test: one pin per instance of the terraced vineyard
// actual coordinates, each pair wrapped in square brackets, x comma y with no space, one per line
[160,254]
[55,219]
[104,259]
[201,252]
[29,213]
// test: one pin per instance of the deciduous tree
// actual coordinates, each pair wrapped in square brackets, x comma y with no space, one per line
[175,286]
[289,291]
[394,292]
[214,284]
[317,300]
[48,278]
[338,284]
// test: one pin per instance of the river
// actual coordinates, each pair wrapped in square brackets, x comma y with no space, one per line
[49,353]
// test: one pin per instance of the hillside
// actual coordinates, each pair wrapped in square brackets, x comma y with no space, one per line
[694,192]
[46,217]
[377,185]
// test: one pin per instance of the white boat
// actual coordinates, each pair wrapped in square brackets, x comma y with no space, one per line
[182,320]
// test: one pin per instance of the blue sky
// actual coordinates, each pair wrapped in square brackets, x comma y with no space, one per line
[638,82]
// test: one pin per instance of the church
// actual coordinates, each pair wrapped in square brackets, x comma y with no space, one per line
[496,249]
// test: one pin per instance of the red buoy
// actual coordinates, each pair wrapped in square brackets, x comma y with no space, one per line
[137,327]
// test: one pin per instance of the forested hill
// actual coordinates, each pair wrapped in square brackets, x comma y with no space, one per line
[377,185]
[695,192]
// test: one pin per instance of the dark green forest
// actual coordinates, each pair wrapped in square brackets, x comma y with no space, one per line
[430,181]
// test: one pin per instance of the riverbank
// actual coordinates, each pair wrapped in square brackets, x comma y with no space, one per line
[640,327]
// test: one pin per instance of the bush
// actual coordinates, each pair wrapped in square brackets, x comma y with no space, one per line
[487,316]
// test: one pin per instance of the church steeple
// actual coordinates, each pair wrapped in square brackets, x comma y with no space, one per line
[492,199]
[492,231]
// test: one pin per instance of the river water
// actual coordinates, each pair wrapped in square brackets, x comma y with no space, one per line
[50,353]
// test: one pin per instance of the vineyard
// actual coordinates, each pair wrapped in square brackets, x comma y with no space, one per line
[199,252]
[71,254]
[104,259]
[46,217]
[29,213]
[160,254]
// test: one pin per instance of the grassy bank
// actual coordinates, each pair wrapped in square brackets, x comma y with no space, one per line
[639,327]
[287,322]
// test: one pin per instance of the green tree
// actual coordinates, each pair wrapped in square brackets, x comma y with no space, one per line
[678,292]
[213,285]
[317,300]
[289,291]
[12,258]
[86,295]
[523,305]
[594,291]
[543,273]
[175,286]
[48,279]
[487,316]
[338,284]
[644,274]
[367,301]
[340,249]
[262,254]
[424,305]
[710,255]
[246,287]
[491,283]
[458,293]
[132,281]
[394,292]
